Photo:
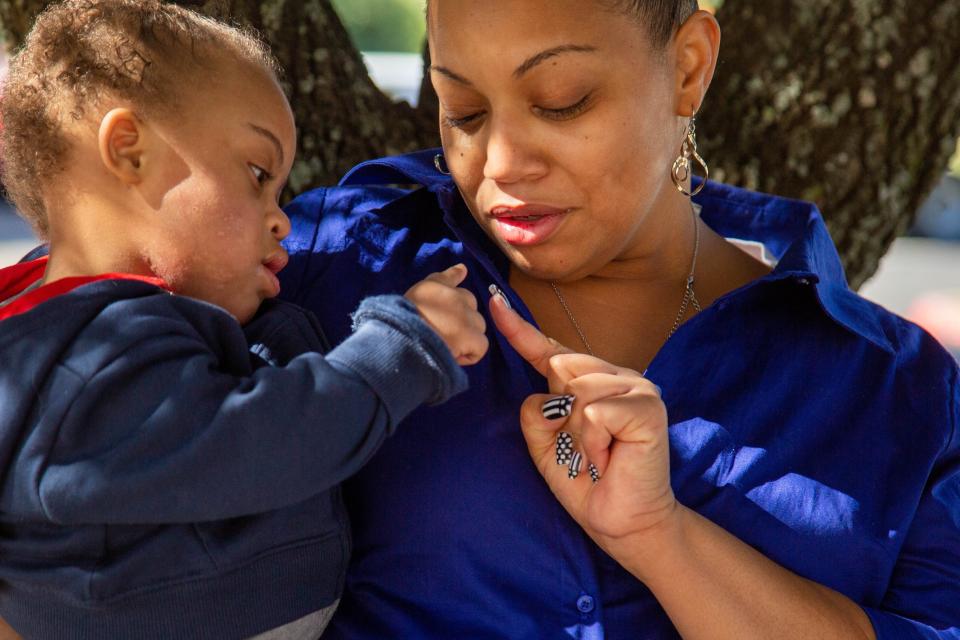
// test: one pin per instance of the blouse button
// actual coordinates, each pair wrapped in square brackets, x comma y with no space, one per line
[585,604]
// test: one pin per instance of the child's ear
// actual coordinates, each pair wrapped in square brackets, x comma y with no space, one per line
[121,142]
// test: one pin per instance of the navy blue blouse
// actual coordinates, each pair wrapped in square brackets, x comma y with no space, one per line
[810,423]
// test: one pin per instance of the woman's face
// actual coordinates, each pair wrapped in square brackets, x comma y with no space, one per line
[560,126]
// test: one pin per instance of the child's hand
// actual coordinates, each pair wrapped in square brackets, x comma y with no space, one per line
[452,313]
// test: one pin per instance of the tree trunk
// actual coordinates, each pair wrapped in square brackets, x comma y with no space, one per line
[853,105]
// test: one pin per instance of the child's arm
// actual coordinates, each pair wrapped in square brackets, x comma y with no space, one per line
[166,432]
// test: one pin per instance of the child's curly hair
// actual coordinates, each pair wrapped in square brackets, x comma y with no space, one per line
[82,51]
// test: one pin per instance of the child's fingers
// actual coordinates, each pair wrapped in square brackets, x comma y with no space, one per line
[474,347]
[451,277]
[470,300]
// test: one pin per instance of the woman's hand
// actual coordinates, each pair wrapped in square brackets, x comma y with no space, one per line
[614,479]
[709,582]
[451,311]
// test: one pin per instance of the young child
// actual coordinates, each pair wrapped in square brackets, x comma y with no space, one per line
[159,480]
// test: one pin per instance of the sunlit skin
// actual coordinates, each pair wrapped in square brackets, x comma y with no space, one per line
[561,131]
[560,125]
[192,200]
[562,109]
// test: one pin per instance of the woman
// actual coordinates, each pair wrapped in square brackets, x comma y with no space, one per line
[808,484]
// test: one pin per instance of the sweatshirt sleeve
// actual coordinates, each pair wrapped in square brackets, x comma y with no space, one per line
[164,434]
[923,598]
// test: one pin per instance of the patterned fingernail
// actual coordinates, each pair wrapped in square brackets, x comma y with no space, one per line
[576,462]
[497,291]
[564,448]
[594,472]
[557,408]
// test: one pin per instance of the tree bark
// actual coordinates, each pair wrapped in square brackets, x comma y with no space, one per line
[853,105]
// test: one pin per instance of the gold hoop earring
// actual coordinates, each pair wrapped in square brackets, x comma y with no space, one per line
[682,167]
[441,164]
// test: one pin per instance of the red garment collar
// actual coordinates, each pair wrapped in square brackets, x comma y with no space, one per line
[19,277]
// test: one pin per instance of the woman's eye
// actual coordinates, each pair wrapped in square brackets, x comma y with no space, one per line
[471,121]
[260,174]
[565,113]
[463,122]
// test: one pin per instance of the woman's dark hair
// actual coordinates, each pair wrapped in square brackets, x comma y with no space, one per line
[80,52]
[662,18]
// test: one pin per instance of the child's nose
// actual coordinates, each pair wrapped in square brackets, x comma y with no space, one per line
[279,223]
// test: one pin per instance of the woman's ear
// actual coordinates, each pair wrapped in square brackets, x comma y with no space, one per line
[121,141]
[696,46]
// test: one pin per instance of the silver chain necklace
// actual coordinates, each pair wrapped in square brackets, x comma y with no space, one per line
[689,296]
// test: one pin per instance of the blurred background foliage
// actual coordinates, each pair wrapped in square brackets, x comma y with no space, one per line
[384,25]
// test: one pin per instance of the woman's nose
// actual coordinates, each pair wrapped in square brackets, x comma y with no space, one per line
[512,154]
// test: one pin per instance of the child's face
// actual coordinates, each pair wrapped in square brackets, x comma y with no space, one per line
[218,174]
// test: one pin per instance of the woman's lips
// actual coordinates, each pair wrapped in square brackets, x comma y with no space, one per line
[527,224]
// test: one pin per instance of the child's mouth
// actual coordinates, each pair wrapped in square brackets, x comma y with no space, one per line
[276,262]
[273,265]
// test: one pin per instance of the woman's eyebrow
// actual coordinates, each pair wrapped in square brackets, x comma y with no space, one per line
[536,59]
[527,64]
[266,133]
[450,74]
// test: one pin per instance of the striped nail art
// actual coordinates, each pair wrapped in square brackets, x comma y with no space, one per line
[576,462]
[564,448]
[557,408]
[594,472]
[497,291]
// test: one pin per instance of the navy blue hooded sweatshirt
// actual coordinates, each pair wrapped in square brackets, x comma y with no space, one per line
[166,475]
